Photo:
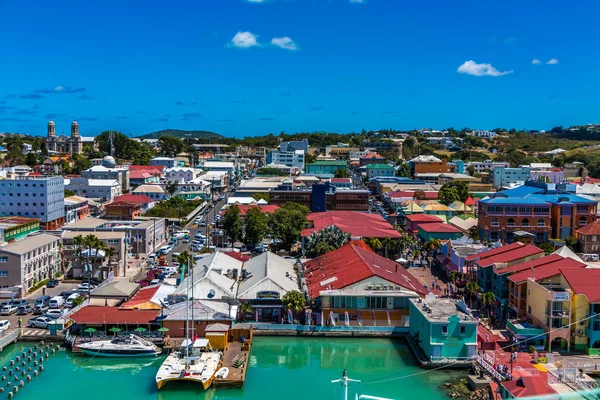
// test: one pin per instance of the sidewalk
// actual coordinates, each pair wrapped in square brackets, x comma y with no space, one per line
[427,279]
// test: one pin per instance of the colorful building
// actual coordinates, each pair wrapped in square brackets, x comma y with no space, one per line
[374,170]
[428,164]
[589,238]
[16,228]
[325,167]
[371,158]
[444,329]
[438,231]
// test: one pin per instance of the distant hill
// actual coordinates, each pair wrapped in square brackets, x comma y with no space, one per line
[178,133]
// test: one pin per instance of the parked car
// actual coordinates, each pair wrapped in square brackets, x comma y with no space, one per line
[8,310]
[57,302]
[42,300]
[7,303]
[203,223]
[21,302]
[40,309]
[4,325]
[66,294]
[52,283]
[85,286]
[54,314]
[71,299]
[24,309]
[39,322]
[197,221]
[186,239]
[175,255]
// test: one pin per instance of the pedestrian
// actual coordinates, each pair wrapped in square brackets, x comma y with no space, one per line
[487,337]
[20,321]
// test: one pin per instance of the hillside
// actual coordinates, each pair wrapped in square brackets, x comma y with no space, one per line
[181,134]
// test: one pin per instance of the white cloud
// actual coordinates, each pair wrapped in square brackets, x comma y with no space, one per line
[358,1]
[256,1]
[59,88]
[536,61]
[285,43]
[552,61]
[244,40]
[472,68]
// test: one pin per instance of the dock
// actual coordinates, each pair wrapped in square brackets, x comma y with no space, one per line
[235,358]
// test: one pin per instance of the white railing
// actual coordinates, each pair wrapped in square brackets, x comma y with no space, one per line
[489,369]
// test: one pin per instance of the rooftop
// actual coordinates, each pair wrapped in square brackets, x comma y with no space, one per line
[425,159]
[268,271]
[441,309]
[202,310]
[11,222]
[113,316]
[495,251]
[380,166]
[99,234]
[88,222]
[529,386]
[149,189]
[546,270]
[423,218]
[584,281]
[590,229]
[439,228]
[120,288]
[351,264]
[329,162]
[29,243]
[133,198]
[516,254]
[357,224]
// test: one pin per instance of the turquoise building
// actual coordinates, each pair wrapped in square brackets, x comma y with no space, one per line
[325,167]
[444,329]
[438,231]
[374,170]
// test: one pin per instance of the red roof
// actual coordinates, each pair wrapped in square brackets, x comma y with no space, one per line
[584,281]
[266,208]
[529,386]
[428,195]
[590,229]
[469,201]
[356,223]
[113,316]
[547,270]
[341,180]
[134,198]
[530,264]
[527,250]
[146,167]
[142,296]
[143,173]
[237,255]
[493,252]
[420,218]
[34,174]
[371,156]
[439,228]
[351,264]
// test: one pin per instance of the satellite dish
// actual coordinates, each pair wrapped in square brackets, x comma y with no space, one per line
[211,293]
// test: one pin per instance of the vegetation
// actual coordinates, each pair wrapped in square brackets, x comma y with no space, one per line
[341,173]
[125,148]
[488,300]
[326,240]
[255,226]
[171,187]
[232,223]
[293,300]
[547,247]
[270,171]
[419,195]
[170,146]
[403,169]
[287,222]
[174,207]
[262,196]
[181,134]
[453,191]
[69,193]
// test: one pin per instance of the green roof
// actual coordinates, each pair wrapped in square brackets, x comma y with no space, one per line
[379,166]
[327,162]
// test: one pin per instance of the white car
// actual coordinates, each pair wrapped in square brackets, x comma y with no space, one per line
[86,286]
[39,322]
[56,314]
[4,325]
[8,310]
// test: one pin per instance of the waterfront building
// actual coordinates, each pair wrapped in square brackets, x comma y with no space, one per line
[264,280]
[444,329]
[155,192]
[358,224]
[214,276]
[374,170]
[205,313]
[25,262]
[17,228]
[103,189]
[66,145]
[36,197]
[535,207]
[325,168]
[76,208]
[112,239]
[355,279]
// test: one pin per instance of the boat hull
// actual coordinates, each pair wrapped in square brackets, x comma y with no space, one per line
[103,353]
[205,385]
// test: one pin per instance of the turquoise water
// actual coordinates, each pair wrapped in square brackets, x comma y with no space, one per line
[280,368]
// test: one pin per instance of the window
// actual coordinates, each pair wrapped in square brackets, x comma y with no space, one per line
[3,274]
[510,223]
[541,223]
[582,221]
[463,329]
[495,223]
[445,329]
[525,223]
[529,309]
[3,259]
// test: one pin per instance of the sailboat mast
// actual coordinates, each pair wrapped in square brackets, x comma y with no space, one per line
[192,275]
[187,313]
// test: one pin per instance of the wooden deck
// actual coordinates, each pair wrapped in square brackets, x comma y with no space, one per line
[237,376]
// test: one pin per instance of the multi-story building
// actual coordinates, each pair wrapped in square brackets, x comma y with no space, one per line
[537,208]
[104,189]
[252,152]
[165,162]
[484,134]
[66,145]
[113,239]
[444,328]
[341,150]
[389,145]
[122,210]
[552,175]
[371,158]
[457,166]
[323,197]
[374,170]
[155,192]
[428,164]
[17,228]
[181,174]
[143,177]
[294,158]
[480,167]
[34,196]
[325,167]
[76,208]
[589,238]
[111,172]
[504,177]
[28,261]
[294,145]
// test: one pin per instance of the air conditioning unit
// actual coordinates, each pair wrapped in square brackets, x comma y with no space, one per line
[369,287]
[378,287]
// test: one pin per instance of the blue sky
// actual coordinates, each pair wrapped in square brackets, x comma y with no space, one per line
[242,67]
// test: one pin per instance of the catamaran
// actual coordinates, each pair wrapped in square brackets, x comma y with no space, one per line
[345,383]
[195,361]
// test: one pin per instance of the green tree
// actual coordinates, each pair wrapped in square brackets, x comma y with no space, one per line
[448,195]
[470,170]
[186,261]
[31,159]
[69,193]
[488,300]
[327,239]
[403,169]
[232,223]
[571,242]
[322,247]
[255,226]
[171,187]
[419,195]
[547,247]
[170,146]
[287,222]
[373,243]
[341,173]
[310,158]
[80,164]
[293,300]
[262,196]
[471,290]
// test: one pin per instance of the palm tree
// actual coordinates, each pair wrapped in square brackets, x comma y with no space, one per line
[432,245]
[488,299]
[185,258]
[78,241]
[471,288]
[454,276]
[109,253]
[92,243]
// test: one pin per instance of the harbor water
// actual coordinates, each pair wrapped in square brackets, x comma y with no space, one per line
[279,368]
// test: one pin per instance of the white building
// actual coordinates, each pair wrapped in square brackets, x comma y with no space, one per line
[484,134]
[294,158]
[213,277]
[166,162]
[109,170]
[26,148]
[181,174]
[105,189]
[483,166]
[267,272]
[213,166]
[34,196]
[155,192]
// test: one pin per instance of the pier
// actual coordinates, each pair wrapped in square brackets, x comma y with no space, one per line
[235,358]
[8,337]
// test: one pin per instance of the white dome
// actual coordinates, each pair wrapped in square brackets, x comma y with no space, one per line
[75,123]
[51,122]
[109,162]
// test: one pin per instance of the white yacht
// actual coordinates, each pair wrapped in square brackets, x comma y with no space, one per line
[194,362]
[131,346]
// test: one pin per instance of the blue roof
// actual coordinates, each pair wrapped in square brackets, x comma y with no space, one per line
[565,198]
[514,200]
[521,191]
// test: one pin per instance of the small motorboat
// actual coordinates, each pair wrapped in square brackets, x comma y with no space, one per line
[132,346]
[222,373]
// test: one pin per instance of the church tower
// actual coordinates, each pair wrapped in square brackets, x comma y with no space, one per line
[76,146]
[51,137]
[75,129]
[51,129]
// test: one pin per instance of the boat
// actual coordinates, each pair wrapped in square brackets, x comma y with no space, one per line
[129,346]
[195,361]
[222,373]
